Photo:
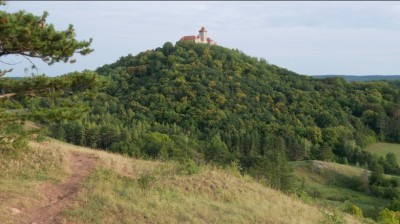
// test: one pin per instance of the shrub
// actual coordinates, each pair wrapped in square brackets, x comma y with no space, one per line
[387,216]
[302,195]
[391,192]
[395,205]
[41,137]
[157,145]
[377,191]
[355,210]
[234,168]
[188,167]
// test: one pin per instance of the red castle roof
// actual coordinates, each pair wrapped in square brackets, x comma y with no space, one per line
[188,38]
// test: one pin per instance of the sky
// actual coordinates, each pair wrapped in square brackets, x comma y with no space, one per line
[310,38]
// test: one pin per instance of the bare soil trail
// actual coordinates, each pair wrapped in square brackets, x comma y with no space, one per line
[58,196]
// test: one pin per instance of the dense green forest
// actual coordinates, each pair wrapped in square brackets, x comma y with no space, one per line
[212,104]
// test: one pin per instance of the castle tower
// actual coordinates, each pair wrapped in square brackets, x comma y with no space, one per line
[202,38]
[203,35]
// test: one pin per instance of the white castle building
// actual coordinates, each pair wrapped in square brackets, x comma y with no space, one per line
[202,38]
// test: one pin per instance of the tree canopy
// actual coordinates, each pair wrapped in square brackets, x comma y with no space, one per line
[220,105]
[28,35]
[40,98]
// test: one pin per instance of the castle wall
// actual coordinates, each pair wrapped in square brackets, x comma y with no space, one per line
[202,38]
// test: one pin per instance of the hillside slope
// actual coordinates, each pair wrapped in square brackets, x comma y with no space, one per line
[382,148]
[338,185]
[37,185]
[210,103]
[125,190]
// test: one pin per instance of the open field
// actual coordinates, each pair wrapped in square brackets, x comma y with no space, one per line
[337,186]
[381,149]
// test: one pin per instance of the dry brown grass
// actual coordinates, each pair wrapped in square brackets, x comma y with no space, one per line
[223,198]
[126,190]
[21,175]
[211,196]
[123,165]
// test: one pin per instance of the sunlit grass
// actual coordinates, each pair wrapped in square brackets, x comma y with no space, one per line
[22,173]
[381,149]
[126,190]
[211,196]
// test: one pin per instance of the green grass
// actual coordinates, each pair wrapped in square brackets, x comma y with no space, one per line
[337,186]
[381,149]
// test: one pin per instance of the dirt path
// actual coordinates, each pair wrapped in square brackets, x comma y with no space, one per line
[58,196]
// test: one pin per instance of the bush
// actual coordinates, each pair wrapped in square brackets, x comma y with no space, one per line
[302,195]
[355,210]
[234,168]
[387,216]
[395,205]
[157,145]
[385,192]
[394,182]
[188,167]
[41,137]
[377,191]
[391,192]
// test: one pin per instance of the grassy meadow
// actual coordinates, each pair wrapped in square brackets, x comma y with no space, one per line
[382,148]
[336,186]
[126,190]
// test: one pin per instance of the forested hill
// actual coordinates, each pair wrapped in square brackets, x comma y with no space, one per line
[211,103]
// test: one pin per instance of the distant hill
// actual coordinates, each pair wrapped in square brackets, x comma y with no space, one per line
[364,78]
[211,103]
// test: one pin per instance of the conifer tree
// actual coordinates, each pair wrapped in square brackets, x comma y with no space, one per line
[40,98]
[376,177]
[30,36]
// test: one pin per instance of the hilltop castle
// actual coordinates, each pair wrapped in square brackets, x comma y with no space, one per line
[201,38]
